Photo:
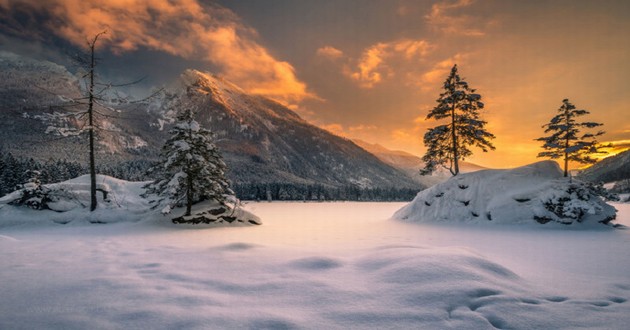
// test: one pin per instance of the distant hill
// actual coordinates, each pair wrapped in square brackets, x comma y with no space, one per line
[609,169]
[411,164]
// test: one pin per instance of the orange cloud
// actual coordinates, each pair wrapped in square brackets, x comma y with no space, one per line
[329,52]
[373,64]
[439,72]
[442,19]
[356,131]
[615,148]
[185,28]
[362,128]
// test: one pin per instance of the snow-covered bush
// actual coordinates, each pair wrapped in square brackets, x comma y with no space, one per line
[577,200]
[31,194]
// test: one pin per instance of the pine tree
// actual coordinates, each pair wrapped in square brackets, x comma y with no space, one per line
[191,167]
[449,143]
[565,141]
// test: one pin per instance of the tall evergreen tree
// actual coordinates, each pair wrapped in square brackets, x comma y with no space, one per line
[449,143]
[565,140]
[191,167]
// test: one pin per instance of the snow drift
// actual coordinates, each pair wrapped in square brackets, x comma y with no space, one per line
[118,201]
[536,193]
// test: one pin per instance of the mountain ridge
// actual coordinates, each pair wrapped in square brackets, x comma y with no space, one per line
[263,142]
[609,169]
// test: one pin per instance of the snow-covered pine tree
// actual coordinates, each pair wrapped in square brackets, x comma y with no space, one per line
[565,140]
[449,143]
[191,167]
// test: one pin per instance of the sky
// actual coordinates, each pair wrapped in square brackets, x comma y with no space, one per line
[363,69]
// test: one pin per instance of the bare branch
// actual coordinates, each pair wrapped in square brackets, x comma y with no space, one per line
[109,85]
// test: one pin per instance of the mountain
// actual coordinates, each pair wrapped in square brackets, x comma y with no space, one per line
[411,164]
[263,142]
[613,168]
[34,96]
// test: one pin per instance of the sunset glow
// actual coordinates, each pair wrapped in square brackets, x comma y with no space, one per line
[365,69]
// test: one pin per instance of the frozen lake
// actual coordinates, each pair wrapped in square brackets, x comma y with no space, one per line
[314,266]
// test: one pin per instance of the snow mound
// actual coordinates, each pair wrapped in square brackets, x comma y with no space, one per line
[536,193]
[118,201]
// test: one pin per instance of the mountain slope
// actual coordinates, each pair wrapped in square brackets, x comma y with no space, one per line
[411,164]
[610,169]
[265,142]
[34,96]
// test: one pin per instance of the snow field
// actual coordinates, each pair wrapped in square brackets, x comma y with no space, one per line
[314,266]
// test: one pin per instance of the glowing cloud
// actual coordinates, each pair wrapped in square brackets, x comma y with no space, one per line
[442,19]
[362,128]
[185,28]
[373,65]
[329,52]
[616,147]
[439,71]
[356,131]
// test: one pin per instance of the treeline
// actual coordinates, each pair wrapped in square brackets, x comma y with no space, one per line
[14,172]
[315,192]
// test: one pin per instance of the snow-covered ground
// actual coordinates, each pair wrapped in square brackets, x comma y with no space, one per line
[314,266]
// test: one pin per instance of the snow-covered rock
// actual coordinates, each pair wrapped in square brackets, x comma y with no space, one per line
[536,193]
[211,213]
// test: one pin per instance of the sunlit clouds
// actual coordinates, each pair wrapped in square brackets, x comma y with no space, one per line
[360,130]
[330,52]
[447,17]
[375,64]
[440,70]
[185,28]
[373,69]
[614,147]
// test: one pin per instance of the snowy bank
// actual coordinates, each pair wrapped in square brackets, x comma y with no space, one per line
[536,193]
[315,266]
[118,201]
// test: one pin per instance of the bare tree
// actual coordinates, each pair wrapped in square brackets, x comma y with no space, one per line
[85,109]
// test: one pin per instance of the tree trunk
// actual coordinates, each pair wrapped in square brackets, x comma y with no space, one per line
[566,146]
[566,164]
[189,193]
[93,201]
[454,136]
